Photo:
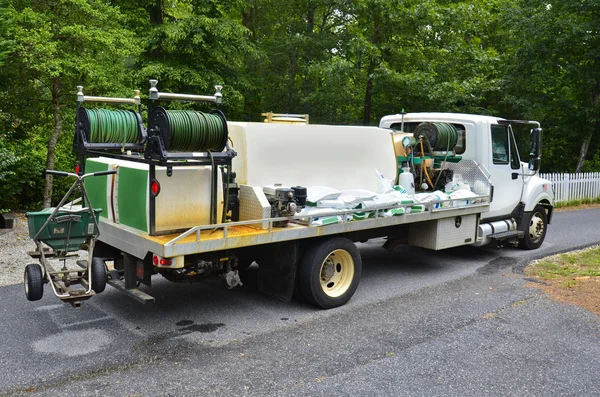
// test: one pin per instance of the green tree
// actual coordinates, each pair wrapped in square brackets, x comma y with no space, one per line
[56,46]
[4,43]
[554,75]
[190,46]
[421,55]
[291,39]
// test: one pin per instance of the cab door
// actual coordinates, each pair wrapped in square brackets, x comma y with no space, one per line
[505,170]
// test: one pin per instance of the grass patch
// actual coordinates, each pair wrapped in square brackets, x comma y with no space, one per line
[575,203]
[570,265]
[572,277]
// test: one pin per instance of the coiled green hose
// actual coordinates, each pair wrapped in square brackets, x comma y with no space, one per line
[189,130]
[441,136]
[111,126]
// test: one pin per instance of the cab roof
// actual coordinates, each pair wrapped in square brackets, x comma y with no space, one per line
[387,121]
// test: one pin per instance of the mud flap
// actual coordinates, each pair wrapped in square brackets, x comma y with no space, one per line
[130,280]
[277,269]
[130,267]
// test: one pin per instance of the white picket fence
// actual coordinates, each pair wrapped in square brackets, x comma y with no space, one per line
[567,187]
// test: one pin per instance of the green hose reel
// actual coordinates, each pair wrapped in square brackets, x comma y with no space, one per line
[110,126]
[441,136]
[189,130]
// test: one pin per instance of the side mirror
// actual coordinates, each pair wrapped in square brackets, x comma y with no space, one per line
[535,149]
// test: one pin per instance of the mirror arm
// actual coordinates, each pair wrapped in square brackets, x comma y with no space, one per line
[533,173]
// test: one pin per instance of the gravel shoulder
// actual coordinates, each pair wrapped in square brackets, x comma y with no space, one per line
[14,245]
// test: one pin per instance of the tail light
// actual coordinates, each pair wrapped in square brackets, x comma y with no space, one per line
[160,261]
[155,187]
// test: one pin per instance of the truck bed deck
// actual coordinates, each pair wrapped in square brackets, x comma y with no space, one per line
[209,238]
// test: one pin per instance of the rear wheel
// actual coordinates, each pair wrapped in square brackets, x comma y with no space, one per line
[33,282]
[535,229]
[244,260]
[329,272]
[98,275]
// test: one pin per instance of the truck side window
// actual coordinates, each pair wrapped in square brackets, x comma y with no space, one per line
[500,145]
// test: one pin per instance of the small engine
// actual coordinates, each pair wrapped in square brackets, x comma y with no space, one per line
[285,201]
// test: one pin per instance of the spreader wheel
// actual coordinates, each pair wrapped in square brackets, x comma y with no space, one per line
[34,282]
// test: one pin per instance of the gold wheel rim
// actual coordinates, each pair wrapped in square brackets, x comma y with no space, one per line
[337,273]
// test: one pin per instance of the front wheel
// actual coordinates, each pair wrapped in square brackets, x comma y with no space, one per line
[535,229]
[34,282]
[329,272]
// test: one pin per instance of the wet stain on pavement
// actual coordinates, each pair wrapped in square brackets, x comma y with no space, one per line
[74,343]
[497,265]
[203,328]
[188,327]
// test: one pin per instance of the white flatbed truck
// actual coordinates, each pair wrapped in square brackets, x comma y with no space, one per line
[321,262]
[318,262]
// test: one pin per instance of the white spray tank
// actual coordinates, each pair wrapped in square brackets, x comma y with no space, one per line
[406,179]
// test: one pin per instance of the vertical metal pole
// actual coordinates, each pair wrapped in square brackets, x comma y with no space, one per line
[213,204]
[219,97]
[152,95]
[152,200]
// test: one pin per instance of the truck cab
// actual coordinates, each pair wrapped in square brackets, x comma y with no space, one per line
[522,201]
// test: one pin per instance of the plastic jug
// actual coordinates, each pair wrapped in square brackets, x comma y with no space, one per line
[407,180]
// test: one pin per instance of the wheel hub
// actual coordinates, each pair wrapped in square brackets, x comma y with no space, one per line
[337,273]
[536,227]
[328,270]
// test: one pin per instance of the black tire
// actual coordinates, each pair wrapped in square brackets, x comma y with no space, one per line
[535,227]
[329,272]
[98,275]
[248,277]
[244,264]
[33,282]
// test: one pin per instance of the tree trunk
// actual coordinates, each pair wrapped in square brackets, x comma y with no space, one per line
[368,96]
[376,39]
[249,21]
[50,159]
[583,152]
[156,13]
[156,18]
[310,27]
[293,57]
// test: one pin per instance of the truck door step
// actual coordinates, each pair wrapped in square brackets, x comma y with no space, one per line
[507,235]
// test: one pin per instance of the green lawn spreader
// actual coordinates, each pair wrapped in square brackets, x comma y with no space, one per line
[59,233]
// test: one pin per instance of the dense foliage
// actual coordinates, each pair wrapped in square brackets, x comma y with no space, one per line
[341,61]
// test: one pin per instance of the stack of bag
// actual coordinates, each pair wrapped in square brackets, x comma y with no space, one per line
[326,205]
